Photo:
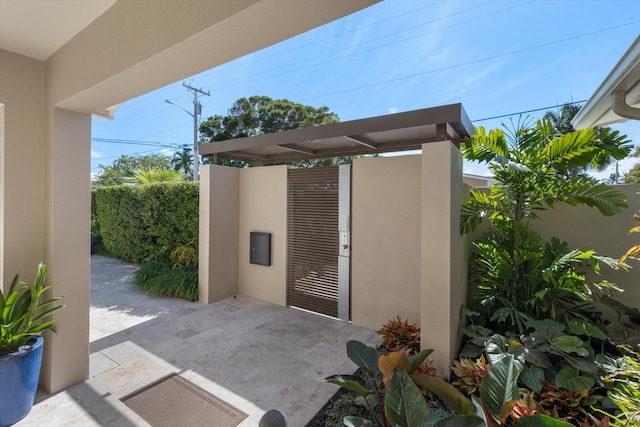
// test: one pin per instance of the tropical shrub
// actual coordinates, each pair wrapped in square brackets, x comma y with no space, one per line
[161,277]
[395,400]
[398,335]
[518,275]
[470,373]
[24,309]
[147,222]
[624,375]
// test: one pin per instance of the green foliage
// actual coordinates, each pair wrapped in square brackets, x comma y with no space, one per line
[398,335]
[394,399]
[624,375]
[556,368]
[182,161]
[259,115]
[470,373]
[632,176]
[154,175]
[116,173]
[520,276]
[150,221]
[569,403]
[23,311]
[159,277]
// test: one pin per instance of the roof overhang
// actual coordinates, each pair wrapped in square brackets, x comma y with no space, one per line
[618,97]
[393,132]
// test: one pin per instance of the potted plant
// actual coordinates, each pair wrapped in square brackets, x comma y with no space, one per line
[22,320]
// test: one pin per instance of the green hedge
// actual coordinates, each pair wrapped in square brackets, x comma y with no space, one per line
[147,221]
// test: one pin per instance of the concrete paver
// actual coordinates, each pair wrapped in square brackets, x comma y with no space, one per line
[254,355]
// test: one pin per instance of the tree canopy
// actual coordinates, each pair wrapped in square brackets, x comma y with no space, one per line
[259,115]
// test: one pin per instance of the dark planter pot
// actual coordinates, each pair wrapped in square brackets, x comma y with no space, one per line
[19,374]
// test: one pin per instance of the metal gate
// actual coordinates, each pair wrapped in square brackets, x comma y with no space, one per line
[313,274]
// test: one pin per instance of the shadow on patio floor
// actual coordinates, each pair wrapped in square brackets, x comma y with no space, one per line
[253,354]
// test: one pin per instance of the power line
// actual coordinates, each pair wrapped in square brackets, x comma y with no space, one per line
[224,85]
[529,111]
[316,41]
[135,142]
[487,58]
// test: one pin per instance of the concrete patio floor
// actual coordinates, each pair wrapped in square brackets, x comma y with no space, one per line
[254,355]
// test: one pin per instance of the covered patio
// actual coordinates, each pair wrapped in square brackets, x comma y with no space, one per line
[252,354]
[63,62]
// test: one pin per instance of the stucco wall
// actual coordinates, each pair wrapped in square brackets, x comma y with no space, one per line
[218,241]
[586,228]
[21,166]
[444,260]
[385,240]
[263,207]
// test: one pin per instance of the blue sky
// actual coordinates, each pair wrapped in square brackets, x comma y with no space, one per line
[495,57]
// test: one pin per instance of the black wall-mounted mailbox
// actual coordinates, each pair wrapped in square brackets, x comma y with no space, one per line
[260,248]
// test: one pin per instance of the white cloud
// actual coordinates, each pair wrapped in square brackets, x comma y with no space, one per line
[95,154]
[393,110]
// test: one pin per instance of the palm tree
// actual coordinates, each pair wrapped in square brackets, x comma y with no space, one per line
[531,168]
[154,175]
[562,124]
[182,161]
[520,276]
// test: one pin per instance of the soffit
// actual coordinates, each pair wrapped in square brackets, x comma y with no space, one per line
[393,132]
[624,76]
[38,28]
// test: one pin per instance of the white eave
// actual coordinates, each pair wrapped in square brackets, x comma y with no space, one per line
[618,97]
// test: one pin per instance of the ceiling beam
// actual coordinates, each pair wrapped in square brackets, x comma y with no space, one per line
[297,148]
[362,141]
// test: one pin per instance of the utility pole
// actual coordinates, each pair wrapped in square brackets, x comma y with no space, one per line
[197,110]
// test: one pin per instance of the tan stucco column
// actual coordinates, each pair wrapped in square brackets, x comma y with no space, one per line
[21,166]
[66,245]
[218,235]
[443,264]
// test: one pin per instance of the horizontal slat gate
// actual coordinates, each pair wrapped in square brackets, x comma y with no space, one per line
[312,242]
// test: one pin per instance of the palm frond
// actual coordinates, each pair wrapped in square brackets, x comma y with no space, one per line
[485,147]
[475,210]
[583,190]
[575,148]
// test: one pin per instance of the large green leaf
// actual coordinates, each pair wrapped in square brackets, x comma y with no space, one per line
[445,391]
[499,347]
[500,387]
[570,378]
[349,382]
[405,406]
[364,356]
[533,378]
[584,327]
[570,344]
[539,421]
[583,364]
